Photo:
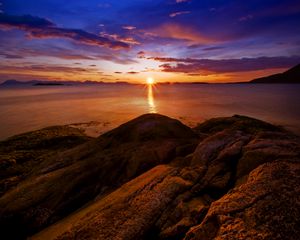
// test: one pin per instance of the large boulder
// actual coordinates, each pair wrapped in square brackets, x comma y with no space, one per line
[64,182]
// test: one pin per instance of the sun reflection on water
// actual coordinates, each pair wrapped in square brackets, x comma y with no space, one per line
[151,103]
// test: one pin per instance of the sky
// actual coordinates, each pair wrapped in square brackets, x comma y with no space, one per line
[131,40]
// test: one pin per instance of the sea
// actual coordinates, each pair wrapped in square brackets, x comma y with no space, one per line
[98,108]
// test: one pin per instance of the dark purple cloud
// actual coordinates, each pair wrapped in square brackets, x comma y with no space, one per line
[11,56]
[42,28]
[48,68]
[212,48]
[24,22]
[181,1]
[190,65]
[11,51]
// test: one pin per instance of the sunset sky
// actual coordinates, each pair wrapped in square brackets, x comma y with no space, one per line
[131,40]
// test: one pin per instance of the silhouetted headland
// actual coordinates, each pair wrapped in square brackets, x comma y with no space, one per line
[290,76]
[152,178]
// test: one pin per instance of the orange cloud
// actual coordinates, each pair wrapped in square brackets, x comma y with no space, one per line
[119,38]
[181,32]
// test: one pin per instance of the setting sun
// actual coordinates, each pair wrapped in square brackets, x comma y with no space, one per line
[150,81]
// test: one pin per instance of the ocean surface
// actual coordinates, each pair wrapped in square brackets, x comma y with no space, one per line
[98,108]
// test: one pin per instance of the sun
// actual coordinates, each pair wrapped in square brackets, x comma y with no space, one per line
[150,81]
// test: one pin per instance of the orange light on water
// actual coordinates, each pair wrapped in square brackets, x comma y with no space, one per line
[150,83]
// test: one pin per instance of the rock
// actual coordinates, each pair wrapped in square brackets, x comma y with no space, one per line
[154,178]
[187,213]
[66,181]
[267,147]
[267,206]
[20,154]
[127,213]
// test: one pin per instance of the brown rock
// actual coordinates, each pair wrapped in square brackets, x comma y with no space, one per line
[64,182]
[145,180]
[267,206]
[127,213]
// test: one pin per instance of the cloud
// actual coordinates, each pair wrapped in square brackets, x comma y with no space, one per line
[132,72]
[48,71]
[141,54]
[212,48]
[179,13]
[10,51]
[43,28]
[51,52]
[24,22]
[129,27]
[245,18]
[181,1]
[47,68]
[190,65]
[57,52]
[119,38]
[11,56]
[182,32]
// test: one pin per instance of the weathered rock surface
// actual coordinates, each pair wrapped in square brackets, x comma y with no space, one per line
[65,181]
[267,206]
[154,178]
[20,154]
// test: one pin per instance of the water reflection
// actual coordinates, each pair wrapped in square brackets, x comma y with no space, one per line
[29,108]
[151,104]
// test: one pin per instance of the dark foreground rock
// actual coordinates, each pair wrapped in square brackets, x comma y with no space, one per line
[19,155]
[155,178]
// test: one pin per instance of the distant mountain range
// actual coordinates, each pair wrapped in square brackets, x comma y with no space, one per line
[12,82]
[290,76]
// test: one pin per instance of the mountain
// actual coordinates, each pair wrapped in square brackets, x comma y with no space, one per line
[290,76]
[12,82]
[152,178]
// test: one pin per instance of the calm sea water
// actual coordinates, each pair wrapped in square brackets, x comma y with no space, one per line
[100,108]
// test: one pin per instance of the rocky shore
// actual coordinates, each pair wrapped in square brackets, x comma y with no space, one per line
[152,178]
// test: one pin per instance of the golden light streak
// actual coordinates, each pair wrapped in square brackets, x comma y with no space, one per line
[151,104]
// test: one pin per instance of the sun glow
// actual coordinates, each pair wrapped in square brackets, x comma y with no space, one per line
[150,81]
